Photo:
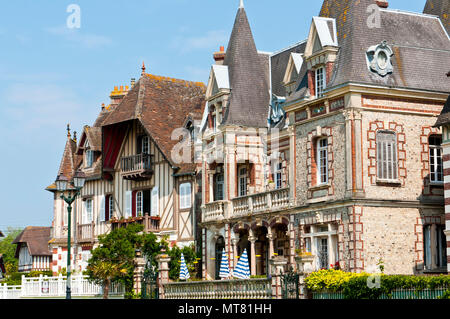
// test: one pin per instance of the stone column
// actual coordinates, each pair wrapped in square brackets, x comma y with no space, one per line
[138,273]
[163,276]
[235,244]
[252,240]
[277,265]
[271,239]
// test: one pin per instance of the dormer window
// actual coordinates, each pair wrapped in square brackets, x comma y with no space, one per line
[320,81]
[89,158]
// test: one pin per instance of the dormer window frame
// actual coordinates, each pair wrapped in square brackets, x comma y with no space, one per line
[320,78]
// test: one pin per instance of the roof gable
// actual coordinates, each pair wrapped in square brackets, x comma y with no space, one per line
[322,33]
[293,68]
[218,80]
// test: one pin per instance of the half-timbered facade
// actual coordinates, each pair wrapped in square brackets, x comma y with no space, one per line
[138,160]
[32,250]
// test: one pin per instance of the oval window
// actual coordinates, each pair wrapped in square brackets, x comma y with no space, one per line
[382,60]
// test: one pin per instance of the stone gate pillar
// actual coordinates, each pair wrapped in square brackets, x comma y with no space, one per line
[163,275]
[138,272]
[277,265]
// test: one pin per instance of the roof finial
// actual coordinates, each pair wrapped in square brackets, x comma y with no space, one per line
[68,130]
[241,4]
[143,68]
[75,136]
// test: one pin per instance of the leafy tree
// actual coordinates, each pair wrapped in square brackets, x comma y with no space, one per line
[8,250]
[113,260]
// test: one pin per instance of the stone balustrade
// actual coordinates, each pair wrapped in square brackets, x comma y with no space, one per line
[260,202]
[220,289]
[214,211]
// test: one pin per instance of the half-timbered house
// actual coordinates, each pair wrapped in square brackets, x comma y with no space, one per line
[138,162]
[32,249]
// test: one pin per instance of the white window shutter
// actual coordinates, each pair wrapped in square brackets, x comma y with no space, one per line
[155,202]
[128,204]
[102,208]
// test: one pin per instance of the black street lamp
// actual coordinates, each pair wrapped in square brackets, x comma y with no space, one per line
[62,186]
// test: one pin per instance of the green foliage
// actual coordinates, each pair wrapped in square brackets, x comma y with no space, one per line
[114,259]
[8,250]
[175,261]
[355,285]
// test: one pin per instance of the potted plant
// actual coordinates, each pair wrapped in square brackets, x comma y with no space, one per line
[271,185]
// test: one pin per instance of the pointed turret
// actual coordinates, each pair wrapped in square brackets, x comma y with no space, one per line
[249,87]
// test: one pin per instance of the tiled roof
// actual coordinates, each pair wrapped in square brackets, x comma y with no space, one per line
[161,104]
[248,75]
[36,239]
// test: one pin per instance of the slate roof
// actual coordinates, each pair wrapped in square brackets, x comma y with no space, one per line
[279,62]
[444,117]
[161,105]
[36,239]
[440,8]
[420,44]
[248,75]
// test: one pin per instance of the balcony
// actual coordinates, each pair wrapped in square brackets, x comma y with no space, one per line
[137,167]
[86,233]
[151,223]
[273,200]
[270,201]
[214,211]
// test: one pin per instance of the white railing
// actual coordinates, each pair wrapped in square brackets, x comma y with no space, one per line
[10,292]
[220,289]
[266,201]
[55,287]
[214,211]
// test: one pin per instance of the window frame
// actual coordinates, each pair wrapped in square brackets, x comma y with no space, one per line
[279,175]
[322,81]
[185,195]
[89,158]
[322,161]
[219,185]
[435,160]
[89,210]
[386,160]
[242,181]
[139,203]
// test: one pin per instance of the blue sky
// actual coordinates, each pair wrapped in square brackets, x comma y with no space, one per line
[50,75]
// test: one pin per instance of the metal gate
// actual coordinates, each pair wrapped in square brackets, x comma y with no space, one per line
[290,285]
[150,289]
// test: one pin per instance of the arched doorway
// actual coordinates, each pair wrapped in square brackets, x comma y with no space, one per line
[261,251]
[220,245]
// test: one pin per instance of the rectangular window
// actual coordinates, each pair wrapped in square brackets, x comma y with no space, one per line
[89,158]
[387,167]
[434,252]
[219,186]
[242,181]
[441,255]
[436,169]
[102,212]
[320,81]
[154,210]
[322,161]
[128,204]
[279,176]
[139,203]
[88,211]
[322,253]
[185,196]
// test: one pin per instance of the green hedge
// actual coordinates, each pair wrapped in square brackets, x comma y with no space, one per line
[355,285]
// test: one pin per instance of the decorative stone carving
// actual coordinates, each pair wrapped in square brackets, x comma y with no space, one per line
[379,59]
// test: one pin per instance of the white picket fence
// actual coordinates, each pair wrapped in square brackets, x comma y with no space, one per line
[55,287]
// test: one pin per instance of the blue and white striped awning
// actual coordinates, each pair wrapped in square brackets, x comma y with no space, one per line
[184,272]
[242,270]
[224,269]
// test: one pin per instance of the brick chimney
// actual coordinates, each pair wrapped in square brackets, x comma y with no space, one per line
[118,94]
[219,57]
[382,3]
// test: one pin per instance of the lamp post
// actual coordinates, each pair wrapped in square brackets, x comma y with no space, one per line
[61,185]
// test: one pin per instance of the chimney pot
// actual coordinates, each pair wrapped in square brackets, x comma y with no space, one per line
[219,57]
[382,3]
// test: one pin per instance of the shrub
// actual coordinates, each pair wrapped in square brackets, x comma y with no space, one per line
[355,285]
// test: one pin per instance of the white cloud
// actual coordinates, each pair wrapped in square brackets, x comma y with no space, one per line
[76,36]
